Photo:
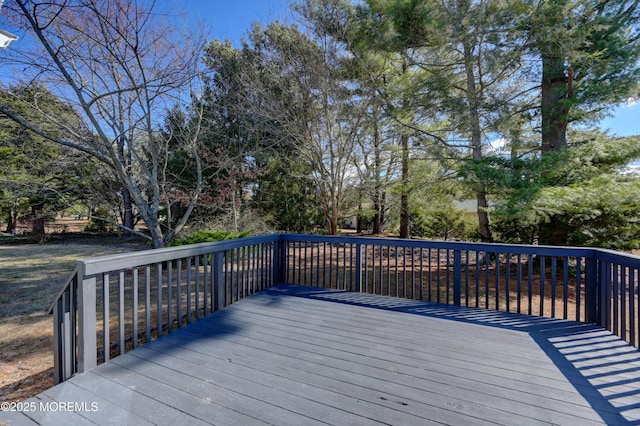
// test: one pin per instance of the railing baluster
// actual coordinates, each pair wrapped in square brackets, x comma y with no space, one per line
[381,280]
[466,277]
[344,266]
[121,312]
[507,284]
[364,265]
[605,304]
[197,282]
[438,277]
[487,281]
[477,279]
[565,284]
[159,284]
[404,272]
[413,274]
[147,304]
[205,285]
[228,285]
[530,283]
[633,274]
[298,268]
[106,338]
[244,269]
[254,269]
[448,266]
[389,270]
[169,296]
[134,272]
[179,293]
[592,290]
[396,282]
[421,275]
[623,303]
[578,288]
[553,286]
[615,300]
[373,269]
[519,284]
[305,264]
[358,277]
[497,254]
[542,274]
[330,265]
[311,265]
[188,289]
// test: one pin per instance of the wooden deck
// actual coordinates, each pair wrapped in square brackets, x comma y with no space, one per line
[300,355]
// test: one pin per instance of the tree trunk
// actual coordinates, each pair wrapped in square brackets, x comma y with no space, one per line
[377,225]
[359,216]
[383,207]
[556,94]
[476,144]
[378,205]
[127,220]
[404,194]
[555,107]
[11,223]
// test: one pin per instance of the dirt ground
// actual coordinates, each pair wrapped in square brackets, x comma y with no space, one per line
[31,275]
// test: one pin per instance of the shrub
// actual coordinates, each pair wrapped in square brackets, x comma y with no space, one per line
[97,225]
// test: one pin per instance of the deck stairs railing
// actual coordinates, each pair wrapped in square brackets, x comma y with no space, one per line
[112,304]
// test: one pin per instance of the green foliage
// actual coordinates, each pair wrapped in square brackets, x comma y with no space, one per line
[285,194]
[580,193]
[37,177]
[208,237]
[99,224]
[445,222]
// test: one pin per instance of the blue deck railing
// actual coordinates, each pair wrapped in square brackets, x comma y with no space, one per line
[112,304]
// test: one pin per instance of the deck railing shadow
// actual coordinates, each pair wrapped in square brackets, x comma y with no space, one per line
[556,337]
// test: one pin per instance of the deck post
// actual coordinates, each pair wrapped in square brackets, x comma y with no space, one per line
[591,301]
[63,339]
[218,280]
[279,258]
[604,294]
[457,280]
[87,347]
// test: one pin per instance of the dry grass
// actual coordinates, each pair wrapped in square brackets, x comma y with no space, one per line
[30,277]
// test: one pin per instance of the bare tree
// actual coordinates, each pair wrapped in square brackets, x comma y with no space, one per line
[122,65]
[294,88]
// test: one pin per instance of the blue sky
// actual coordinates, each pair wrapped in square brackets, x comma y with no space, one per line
[233,18]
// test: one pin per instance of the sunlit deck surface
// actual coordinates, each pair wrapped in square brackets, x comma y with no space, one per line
[295,355]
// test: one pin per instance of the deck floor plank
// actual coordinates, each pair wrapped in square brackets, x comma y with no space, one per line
[347,359]
[295,355]
[448,382]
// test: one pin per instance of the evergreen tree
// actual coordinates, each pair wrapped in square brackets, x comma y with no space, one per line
[38,177]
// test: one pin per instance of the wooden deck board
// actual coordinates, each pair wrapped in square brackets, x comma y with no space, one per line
[299,355]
